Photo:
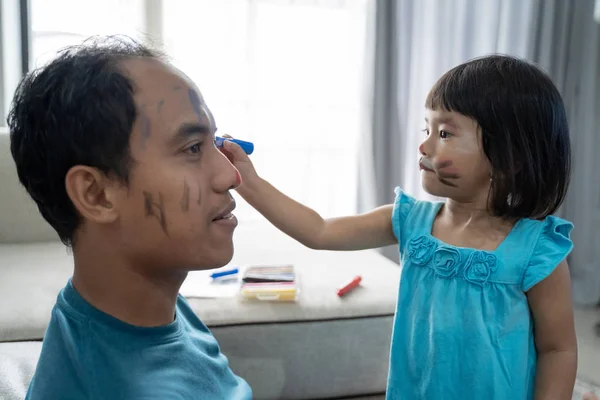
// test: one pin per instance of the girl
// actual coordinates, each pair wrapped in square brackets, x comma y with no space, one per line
[484,307]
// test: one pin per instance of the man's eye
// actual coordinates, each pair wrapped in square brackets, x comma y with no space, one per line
[195,149]
[444,134]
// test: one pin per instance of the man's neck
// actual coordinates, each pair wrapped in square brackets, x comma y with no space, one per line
[117,288]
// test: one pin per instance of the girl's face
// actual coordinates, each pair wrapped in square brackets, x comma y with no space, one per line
[453,163]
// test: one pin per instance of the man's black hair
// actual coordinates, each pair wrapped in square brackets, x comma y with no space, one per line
[76,110]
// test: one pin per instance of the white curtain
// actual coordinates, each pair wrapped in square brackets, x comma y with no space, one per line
[59,23]
[285,74]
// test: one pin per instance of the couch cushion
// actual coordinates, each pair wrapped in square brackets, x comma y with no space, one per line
[322,346]
[20,220]
[33,274]
[17,364]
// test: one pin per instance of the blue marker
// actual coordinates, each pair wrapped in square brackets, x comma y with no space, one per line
[248,147]
[224,273]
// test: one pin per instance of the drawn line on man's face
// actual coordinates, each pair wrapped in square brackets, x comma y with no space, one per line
[155,209]
[159,106]
[185,198]
[196,103]
[145,126]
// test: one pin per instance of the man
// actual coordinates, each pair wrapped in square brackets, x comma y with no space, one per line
[116,147]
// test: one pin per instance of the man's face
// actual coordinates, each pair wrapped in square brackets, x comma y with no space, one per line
[175,210]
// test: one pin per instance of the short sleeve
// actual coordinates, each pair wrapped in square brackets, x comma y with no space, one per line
[553,246]
[402,206]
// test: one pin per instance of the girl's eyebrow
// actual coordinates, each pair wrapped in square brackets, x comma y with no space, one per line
[446,120]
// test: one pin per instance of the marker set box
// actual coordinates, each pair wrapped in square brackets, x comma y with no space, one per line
[270,283]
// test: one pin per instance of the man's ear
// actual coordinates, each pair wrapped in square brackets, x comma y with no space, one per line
[92,193]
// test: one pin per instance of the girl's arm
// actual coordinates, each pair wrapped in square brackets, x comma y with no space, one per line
[554,329]
[365,231]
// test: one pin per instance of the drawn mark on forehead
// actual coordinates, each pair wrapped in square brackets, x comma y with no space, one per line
[145,126]
[211,118]
[196,103]
[160,105]
[202,112]
[177,88]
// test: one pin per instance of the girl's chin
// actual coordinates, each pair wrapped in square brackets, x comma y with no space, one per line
[435,188]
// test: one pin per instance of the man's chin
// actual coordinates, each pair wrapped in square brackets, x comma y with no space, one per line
[217,259]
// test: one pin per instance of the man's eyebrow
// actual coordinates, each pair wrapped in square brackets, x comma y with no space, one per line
[187,130]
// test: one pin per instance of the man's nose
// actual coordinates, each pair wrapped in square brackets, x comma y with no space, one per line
[227,176]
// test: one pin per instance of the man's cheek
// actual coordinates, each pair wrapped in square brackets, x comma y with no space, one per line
[154,207]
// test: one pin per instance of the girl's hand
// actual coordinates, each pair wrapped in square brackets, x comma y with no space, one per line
[238,157]
[365,231]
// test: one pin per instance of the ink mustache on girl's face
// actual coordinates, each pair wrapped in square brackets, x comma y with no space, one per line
[438,168]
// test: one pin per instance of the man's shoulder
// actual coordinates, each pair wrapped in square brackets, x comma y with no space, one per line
[61,369]
[186,312]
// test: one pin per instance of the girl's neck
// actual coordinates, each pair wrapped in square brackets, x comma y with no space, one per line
[473,214]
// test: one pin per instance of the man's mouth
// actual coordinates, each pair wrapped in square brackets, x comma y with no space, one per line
[226,216]
[226,213]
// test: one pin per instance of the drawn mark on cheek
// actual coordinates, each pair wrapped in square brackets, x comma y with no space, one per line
[446,182]
[155,209]
[199,201]
[443,164]
[185,197]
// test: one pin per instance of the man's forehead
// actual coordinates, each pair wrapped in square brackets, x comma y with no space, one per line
[154,78]
[164,92]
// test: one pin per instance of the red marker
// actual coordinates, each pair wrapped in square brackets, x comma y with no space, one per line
[353,284]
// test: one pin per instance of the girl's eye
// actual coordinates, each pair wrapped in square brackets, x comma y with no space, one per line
[195,149]
[444,134]
[426,131]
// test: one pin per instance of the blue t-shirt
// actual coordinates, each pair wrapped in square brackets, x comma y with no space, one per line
[463,327]
[88,354]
